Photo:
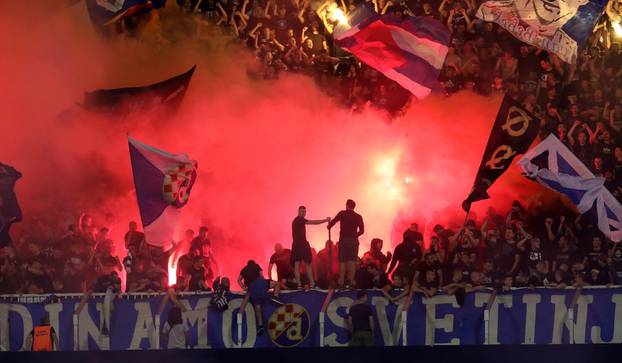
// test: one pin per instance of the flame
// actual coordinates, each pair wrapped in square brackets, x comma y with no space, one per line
[172,271]
[617,28]
[336,14]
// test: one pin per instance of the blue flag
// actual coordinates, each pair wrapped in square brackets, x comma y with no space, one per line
[163,183]
[551,164]
[10,211]
[106,12]
[410,50]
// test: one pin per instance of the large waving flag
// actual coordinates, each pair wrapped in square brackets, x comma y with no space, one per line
[408,50]
[551,164]
[10,211]
[106,12]
[512,133]
[166,96]
[163,184]
[558,26]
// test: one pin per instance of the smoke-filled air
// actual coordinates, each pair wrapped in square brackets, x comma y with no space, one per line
[263,147]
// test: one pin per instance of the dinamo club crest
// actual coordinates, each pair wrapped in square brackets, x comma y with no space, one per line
[178,182]
[289,325]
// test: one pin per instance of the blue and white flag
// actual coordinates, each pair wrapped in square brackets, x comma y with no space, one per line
[163,184]
[558,26]
[106,12]
[551,164]
[409,50]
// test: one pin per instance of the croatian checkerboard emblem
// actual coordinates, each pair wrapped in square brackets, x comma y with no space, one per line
[289,325]
[178,182]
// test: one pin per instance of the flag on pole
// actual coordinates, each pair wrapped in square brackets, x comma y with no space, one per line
[163,183]
[10,211]
[106,12]
[551,164]
[167,94]
[512,133]
[409,50]
[558,26]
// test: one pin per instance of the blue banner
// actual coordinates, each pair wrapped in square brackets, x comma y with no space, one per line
[524,316]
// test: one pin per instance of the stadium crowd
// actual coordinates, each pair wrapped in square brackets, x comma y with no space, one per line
[502,251]
[295,36]
[580,103]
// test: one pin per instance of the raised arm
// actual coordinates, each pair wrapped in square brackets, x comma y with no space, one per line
[270,266]
[303,36]
[334,220]
[243,10]
[570,134]
[548,224]
[301,13]
[393,261]
[223,14]
[386,7]
[316,221]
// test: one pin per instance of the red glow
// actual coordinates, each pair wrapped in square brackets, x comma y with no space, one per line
[264,148]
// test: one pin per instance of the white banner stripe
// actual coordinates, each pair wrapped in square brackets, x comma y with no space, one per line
[426,49]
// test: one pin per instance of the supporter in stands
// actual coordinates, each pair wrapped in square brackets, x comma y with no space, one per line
[369,276]
[327,266]
[615,262]
[432,263]
[104,282]
[184,264]
[406,256]
[220,300]
[397,290]
[376,256]
[257,288]
[196,276]
[203,247]
[428,285]
[137,280]
[281,258]
[183,247]
[133,237]
[509,255]
[10,278]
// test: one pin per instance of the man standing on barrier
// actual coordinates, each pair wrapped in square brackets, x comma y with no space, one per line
[301,250]
[351,228]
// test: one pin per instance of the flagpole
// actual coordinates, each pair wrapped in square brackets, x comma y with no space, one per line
[466,217]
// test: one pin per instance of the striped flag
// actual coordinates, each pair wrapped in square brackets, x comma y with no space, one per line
[163,184]
[106,12]
[408,50]
[551,164]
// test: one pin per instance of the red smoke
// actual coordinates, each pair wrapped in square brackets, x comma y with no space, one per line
[263,147]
